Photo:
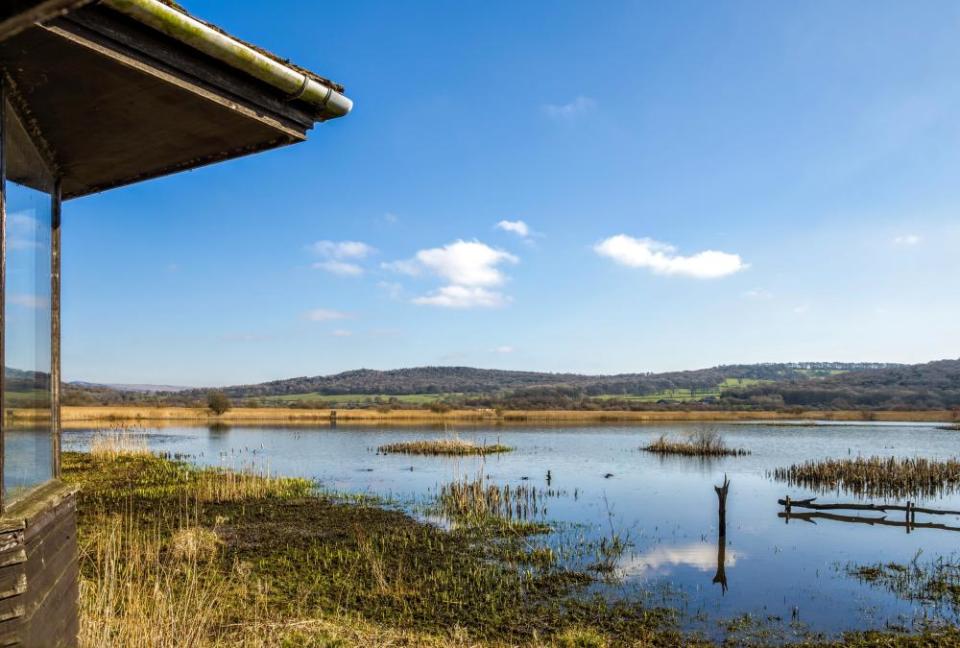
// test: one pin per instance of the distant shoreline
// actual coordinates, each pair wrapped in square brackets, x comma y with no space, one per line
[86,416]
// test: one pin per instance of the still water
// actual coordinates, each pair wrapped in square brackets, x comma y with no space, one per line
[790,575]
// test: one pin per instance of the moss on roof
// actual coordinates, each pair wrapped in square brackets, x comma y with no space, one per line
[287,62]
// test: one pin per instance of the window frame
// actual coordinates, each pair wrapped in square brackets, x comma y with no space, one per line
[6,94]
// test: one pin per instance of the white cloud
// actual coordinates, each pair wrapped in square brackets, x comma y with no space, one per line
[325,315]
[343,249]
[578,106]
[390,217]
[662,258]
[466,263]
[907,239]
[341,333]
[759,294]
[341,268]
[504,349]
[469,268]
[801,309]
[463,297]
[517,227]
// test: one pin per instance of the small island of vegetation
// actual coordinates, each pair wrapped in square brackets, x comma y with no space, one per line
[443,447]
[702,442]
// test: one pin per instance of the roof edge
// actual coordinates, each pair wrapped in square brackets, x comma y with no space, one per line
[295,83]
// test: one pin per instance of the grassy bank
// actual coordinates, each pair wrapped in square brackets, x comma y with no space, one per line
[179,556]
[76,416]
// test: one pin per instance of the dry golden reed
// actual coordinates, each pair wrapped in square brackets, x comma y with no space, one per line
[876,476]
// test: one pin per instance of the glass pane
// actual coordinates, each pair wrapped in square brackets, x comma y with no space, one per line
[28,441]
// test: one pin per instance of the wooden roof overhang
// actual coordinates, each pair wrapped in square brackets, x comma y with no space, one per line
[113,101]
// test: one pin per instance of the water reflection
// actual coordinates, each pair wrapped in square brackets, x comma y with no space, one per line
[701,556]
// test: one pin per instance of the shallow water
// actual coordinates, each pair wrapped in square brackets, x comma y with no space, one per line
[789,575]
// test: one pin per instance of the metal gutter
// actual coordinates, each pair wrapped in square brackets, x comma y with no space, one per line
[190,31]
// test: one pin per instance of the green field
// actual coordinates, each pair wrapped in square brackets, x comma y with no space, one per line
[330,400]
[684,395]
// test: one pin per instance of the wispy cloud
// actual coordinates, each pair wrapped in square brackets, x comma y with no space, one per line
[801,309]
[325,315]
[505,349]
[342,268]
[408,267]
[517,227]
[343,249]
[662,258]
[341,257]
[578,106]
[393,289]
[463,297]
[907,239]
[759,294]
[341,333]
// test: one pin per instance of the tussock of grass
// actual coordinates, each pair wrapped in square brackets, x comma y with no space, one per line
[478,503]
[876,476]
[195,543]
[703,442]
[443,447]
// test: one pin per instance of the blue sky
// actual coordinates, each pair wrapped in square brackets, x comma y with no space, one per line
[678,185]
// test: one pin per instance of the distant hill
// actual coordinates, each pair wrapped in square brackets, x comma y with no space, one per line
[472,381]
[932,385]
[771,386]
[143,389]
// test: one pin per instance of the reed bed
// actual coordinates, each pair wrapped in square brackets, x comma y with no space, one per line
[135,594]
[703,442]
[443,447]
[876,476]
[476,502]
[118,442]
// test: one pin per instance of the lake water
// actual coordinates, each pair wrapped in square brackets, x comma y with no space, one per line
[790,575]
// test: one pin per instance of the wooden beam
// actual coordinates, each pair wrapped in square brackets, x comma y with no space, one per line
[18,15]
[135,47]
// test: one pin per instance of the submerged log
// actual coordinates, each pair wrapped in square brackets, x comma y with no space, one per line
[788,504]
[881,521]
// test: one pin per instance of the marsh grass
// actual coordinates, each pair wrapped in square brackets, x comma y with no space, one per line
[934,583]
[164,563]
[475,502]
[705,441]
[442,447]
[292,568]
[121,441]
[876,476]
[134,594]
